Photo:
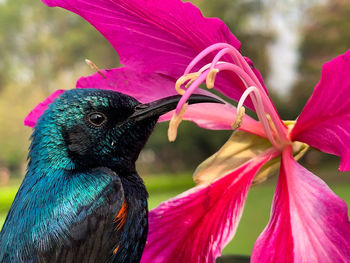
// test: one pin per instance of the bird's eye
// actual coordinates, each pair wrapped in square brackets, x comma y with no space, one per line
[97,119]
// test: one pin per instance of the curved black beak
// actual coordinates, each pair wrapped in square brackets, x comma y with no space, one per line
[164,105]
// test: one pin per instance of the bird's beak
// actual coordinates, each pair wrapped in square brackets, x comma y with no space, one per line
[164,105]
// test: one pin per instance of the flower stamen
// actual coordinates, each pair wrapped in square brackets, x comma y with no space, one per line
[94,67]
[211,78]
[189,78]
[239,118]
[175,122]
[254,94]
[274,129]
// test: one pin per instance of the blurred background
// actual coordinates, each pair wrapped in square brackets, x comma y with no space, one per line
[43,49]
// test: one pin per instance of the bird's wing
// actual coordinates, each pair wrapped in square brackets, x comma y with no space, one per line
[79,222]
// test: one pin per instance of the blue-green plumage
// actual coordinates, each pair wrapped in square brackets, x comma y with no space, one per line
[73,186]
[82,199]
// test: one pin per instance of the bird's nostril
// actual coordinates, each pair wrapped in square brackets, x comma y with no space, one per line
[141,107]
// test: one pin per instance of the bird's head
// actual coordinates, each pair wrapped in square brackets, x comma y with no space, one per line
[91,128]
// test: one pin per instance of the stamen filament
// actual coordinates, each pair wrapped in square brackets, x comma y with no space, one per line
[258,105]
[244,96]
[242,69]
[262,117]
[270,109]
[266,106]
[226,49]
[190,90]
[240,61]
[239,71]
[201,55]
[208,66]
[94,67]
[272,124]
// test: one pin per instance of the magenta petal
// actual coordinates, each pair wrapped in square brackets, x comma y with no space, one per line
[152,36]
[34,115]
[159,36]
[217,117]
[145,87]
[196,225]
[208,115]
[308,223]
[325,121]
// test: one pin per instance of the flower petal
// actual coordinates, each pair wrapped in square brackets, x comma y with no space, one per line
[216,117]
[325,121]
[239,148]
[196,225]
[145,87]
[152,36]
[34,115]
[308,223]
[160,36]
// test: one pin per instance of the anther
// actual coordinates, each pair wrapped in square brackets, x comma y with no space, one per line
[211,78]
[175,122]
[239,118]
[188,77]
[94,67]
[272,124]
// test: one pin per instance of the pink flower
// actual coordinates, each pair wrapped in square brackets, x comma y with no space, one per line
[308,223]
[156,41]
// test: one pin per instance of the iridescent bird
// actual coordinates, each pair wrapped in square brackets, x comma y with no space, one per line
[82,199]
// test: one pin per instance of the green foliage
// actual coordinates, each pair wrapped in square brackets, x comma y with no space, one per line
[192,146]
[13,136]
[38,42]
[7,194]
[41,49]
[168,182]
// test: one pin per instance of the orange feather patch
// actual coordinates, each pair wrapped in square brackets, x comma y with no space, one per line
[116,250]
[120,219]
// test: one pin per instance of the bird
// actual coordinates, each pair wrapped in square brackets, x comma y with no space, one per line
[82,199]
